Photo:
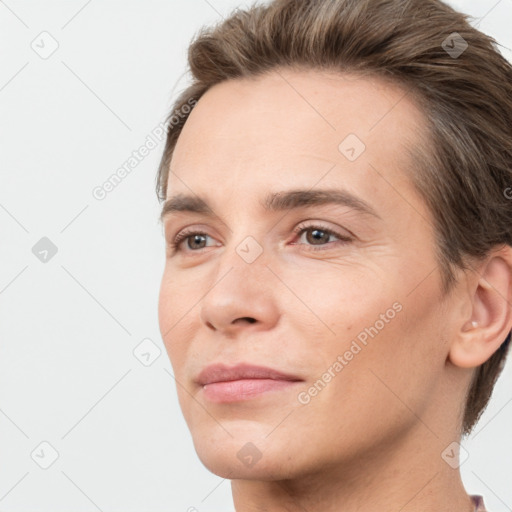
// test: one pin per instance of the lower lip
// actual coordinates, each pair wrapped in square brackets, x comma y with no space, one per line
[243,389]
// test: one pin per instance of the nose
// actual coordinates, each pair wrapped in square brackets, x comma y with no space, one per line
[241,297]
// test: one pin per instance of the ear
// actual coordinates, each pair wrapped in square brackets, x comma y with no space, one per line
[489,321]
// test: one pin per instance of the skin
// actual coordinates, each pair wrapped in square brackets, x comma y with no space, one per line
[373,437]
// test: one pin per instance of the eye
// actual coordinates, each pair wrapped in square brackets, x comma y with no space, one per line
[319,237]
[194,239]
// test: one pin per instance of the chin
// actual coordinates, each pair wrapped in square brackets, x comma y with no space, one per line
[245,457]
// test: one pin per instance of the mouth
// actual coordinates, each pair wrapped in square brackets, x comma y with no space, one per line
[223,384]
[243,389]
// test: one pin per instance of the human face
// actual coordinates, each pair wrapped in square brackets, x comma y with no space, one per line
[251,288]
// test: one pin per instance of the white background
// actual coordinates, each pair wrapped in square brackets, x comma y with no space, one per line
[68,327]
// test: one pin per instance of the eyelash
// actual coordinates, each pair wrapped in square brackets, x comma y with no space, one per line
[181,237]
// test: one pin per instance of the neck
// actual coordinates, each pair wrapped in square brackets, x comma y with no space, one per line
[407,476]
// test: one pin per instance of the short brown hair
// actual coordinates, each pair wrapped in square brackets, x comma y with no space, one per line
[463,171]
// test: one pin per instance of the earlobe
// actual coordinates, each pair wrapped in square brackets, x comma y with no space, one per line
[490,320]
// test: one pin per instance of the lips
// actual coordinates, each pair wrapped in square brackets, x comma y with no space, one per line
[223,373]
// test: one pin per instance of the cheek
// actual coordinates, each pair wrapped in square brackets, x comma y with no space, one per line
[179,293]
[344,296]
[377,382]
[377,327]
[172,318]
[165,306]
[398,365]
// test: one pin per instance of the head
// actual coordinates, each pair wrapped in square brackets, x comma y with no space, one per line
[390,302]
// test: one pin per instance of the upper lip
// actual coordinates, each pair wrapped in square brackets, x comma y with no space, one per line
[220,373]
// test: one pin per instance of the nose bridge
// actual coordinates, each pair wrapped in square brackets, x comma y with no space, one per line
[245,241]
[241,287]
[243,260]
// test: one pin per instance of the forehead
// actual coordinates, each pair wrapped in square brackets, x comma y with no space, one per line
[291,127]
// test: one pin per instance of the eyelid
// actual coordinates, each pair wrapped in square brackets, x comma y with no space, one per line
[171,234]
[342,239]
[182,236]
[337,231]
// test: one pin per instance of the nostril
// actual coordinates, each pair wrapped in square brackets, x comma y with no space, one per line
[248,318]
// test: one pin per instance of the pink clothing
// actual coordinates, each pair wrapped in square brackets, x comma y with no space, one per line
[479,503]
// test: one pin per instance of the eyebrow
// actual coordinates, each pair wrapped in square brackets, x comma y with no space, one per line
[275,202]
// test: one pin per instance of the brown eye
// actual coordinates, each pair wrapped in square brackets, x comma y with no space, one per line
[195,240]
[320,237]
[317,236]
